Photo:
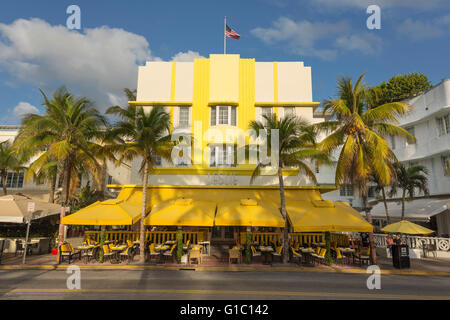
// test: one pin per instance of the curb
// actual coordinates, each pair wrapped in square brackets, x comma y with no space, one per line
[226,269]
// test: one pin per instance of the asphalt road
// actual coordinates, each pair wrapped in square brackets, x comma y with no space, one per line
[201,285]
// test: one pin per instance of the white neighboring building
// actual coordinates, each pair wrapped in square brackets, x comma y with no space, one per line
[429,122]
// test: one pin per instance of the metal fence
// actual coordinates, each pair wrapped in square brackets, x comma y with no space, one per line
[417,242]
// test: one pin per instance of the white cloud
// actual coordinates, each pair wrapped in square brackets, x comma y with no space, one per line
[418,30]
[413,4]
[97,63]
[320,39]
[366,43]
[186,56]
[24,108]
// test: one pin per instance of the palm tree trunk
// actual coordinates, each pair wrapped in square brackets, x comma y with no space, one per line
[5,192]
[66,184]
[144,205]
[283,213]
[403,204]
[373,252]
[385,205]
[51,197]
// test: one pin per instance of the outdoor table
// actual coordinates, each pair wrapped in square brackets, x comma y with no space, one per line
[161,248]
[117,250]
[348,253]
[84,250]
[266,251]
[206,247]
[170,242]
[307,252]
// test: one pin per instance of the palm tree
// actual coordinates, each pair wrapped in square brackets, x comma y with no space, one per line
[8,161]
[297,144]
[379,187]
[66,133]
[410,180]
[44,169]
[140,135]
[359,127]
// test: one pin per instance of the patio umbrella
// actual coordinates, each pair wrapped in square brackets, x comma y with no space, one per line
[113,212]
[182,212]
[22,209]
[323,215]
[406,227]
[250,213]
[14,209]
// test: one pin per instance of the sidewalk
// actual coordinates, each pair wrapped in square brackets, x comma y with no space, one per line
[426,266]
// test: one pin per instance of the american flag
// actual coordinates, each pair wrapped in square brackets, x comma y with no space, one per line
[230,33]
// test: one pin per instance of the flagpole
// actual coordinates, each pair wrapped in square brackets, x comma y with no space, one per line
[224,36]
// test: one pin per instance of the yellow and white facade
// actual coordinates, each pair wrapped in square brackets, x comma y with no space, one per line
[214,99]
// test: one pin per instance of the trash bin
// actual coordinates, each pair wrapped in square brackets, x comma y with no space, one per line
[400,256]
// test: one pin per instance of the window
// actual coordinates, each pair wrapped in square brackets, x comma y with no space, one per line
[411,132]
[266,112]
[346,190]
[371,192]
[110,179]
[14,180]
[446,165]
[222,156]
[223,115]
[183,120]
[392,142]
[289,112]
[443,125]
[158,160]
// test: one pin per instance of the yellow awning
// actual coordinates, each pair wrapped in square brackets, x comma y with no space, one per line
[406,227]
[182,212]
[321,215]
[114,212]
[248,212]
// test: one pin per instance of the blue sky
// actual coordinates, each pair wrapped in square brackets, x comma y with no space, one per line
[38,51]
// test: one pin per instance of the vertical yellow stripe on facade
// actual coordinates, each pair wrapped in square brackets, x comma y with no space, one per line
[200,109]
[172,93]
[246,108]
[275,87]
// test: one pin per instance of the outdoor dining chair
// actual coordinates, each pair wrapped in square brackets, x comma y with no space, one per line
[340,258]
[152,251]
[319,258]
[107,253]
[278,252]
[169,253]
[296,256]
[362,257]
[186,247]
[234,254]
[128,253]
[195,254]
[255,253]
[93,253]
[66,250]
